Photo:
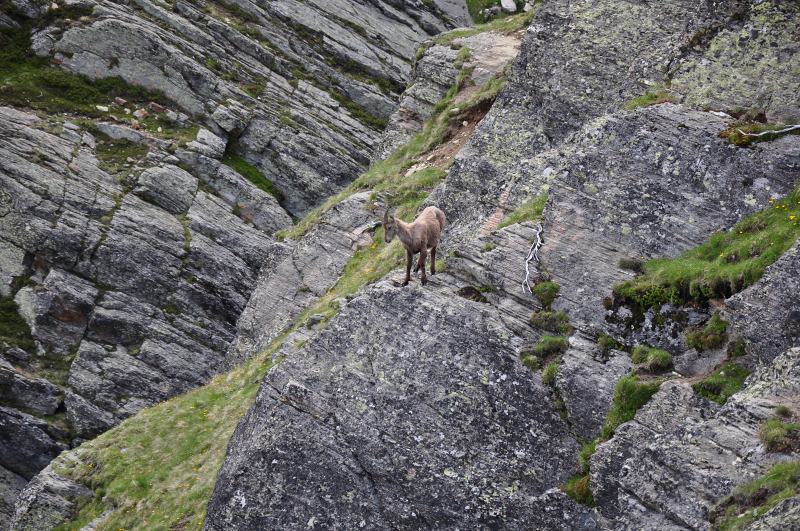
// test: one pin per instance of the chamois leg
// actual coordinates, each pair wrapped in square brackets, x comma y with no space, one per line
[421,265]
[409,259]
[433,260]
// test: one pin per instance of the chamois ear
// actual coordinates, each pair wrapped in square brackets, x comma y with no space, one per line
[386,217]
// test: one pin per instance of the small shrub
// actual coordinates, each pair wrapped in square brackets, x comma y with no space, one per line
[550,371]
[548,346]
[711,336]
[629,395]
[531,361]
[652,359]
[546,292]
[551,321]
[736,349]
[722,383]
[783,411]
[779,436]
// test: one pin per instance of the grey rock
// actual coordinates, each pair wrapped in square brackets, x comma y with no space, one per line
[586,381]
[767,314]
[557,511]
[208,144]
[169,187]
[27,444]
[47,501]
[10,486]
[58,310]
[509,6]
[36,395]
[785,515]
[679,438]
[438,432]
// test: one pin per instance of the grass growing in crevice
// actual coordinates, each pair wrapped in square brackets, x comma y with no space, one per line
[607,343]
[388,175]
[722,383]
[112,155]
[14,330]
[630,395]
[530,210]
[30,81]
[546,292]
[650,98]
[739,134]
[156,470]
[712,335]
[252,174]
[752,500]
[651,359]
[726,264]
[557,322]
[780,436]
[508,24]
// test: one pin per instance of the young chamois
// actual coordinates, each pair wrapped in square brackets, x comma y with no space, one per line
[417,237]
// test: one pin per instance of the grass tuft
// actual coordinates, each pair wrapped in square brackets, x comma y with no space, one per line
[726,264]
[780,436]
[752,500]
[530,210]
[557,322]
[648,99]
[550,371]
[252,174]
[735,136]
[722,383]
[546,292]
[651,359]
[712,335]
[630,395]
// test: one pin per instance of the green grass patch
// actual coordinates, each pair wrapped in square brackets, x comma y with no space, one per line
[712,335]
[252,174]
[508,24]
[557,322]
[30,81]
[550,346]
[14,330]
[530,210]
[752,500]
[727,263]
[357,111]
[579,490]
[550,371]
[739,134]
[546,292]
[651,359]
[388,175]
[113,155]
[648,99]
[780,436]
[156,470]
[606,343]
[722,383]
[630,395]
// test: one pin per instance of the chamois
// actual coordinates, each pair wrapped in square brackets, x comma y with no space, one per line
[417,237]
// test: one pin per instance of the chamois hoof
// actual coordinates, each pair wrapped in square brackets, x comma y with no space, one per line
[405,283]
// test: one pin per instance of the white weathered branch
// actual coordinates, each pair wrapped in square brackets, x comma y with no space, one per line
[533,255]
[775,132]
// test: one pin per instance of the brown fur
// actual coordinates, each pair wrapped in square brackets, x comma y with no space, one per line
[420,236]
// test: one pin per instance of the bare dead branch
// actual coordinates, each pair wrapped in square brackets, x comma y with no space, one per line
[775,132]
[533,256]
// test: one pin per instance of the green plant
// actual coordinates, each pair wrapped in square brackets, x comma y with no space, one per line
[648,99]
[736,349]
[550,371]
[783,411]
[606,343]
[779,436]
[711,336]
[630,394]
[113,155]
[578,489]
[14,330]
[551,321]
[750,501]
[530,360]
[651,359]
[550,345]
[507,24]
[727,263]
[487,247]
[252,174]
[631,264]
[722,383]
[546,292]
[740,134]
[530,210]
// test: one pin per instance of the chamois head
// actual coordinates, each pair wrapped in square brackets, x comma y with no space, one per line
[389,226]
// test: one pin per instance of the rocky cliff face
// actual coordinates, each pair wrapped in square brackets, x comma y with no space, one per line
[473,401]
[128,250]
